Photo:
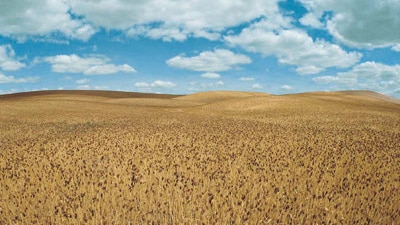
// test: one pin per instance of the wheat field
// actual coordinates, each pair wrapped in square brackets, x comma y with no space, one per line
[87,157]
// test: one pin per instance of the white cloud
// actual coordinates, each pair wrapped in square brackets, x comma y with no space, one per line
[142,85]
[8,60]
[23,18]
[311,20]
[306,70]
[109,69]
[373,71]
[84,87]
[360,23]
[95,65]
[11,79]
[396,48]
[162,84]
[88,87]
[354,22]
[155,84]
[82,81]
[220,83]
[368,75]
[325,79]
[287,88]
[172,20]
[246,78]
[293,47]
[210,61]
[257,86]
[165,33]
[211,75]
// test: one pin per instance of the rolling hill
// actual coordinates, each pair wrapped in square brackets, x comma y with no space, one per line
[103,157]
[200,98]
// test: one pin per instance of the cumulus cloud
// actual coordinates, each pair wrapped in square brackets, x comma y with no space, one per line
[82,81]
[167,20]
[23,18]
[219,83]
[373,71]
[306,70]
[368,75]
[109,69]
[164,33]
[162,84]
[84,87]
[360,23]
[325,79]
[257,86]
[94,65]
[209,61]
[293,47]
[311,20]
[172,20]
[89,87]
[142,85]
[11,79]
[8,60]
[155,84]
[353,22]
[286,88]
[211,75]
[396,48]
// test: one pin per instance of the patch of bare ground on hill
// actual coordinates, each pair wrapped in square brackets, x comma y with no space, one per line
[207,158]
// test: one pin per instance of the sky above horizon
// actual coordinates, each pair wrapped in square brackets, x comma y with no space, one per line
[187,46]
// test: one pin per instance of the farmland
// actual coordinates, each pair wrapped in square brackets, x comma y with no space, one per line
[76,157]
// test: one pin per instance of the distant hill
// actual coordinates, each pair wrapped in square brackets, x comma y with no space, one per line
[230,99]
[372,94]
[96,93]
[351,94]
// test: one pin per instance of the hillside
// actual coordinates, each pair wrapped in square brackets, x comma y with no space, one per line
[97,157]
[218,96]
[94,93]
[196,99]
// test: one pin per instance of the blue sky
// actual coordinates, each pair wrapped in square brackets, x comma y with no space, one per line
[186,46]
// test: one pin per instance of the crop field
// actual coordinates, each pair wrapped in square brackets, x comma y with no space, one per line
[76,157]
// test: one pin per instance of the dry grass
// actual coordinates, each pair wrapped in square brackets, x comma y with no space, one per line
[326,158]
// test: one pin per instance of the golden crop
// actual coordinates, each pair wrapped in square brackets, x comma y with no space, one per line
[324,158]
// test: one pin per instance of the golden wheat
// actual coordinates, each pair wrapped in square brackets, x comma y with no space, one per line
[251,160]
